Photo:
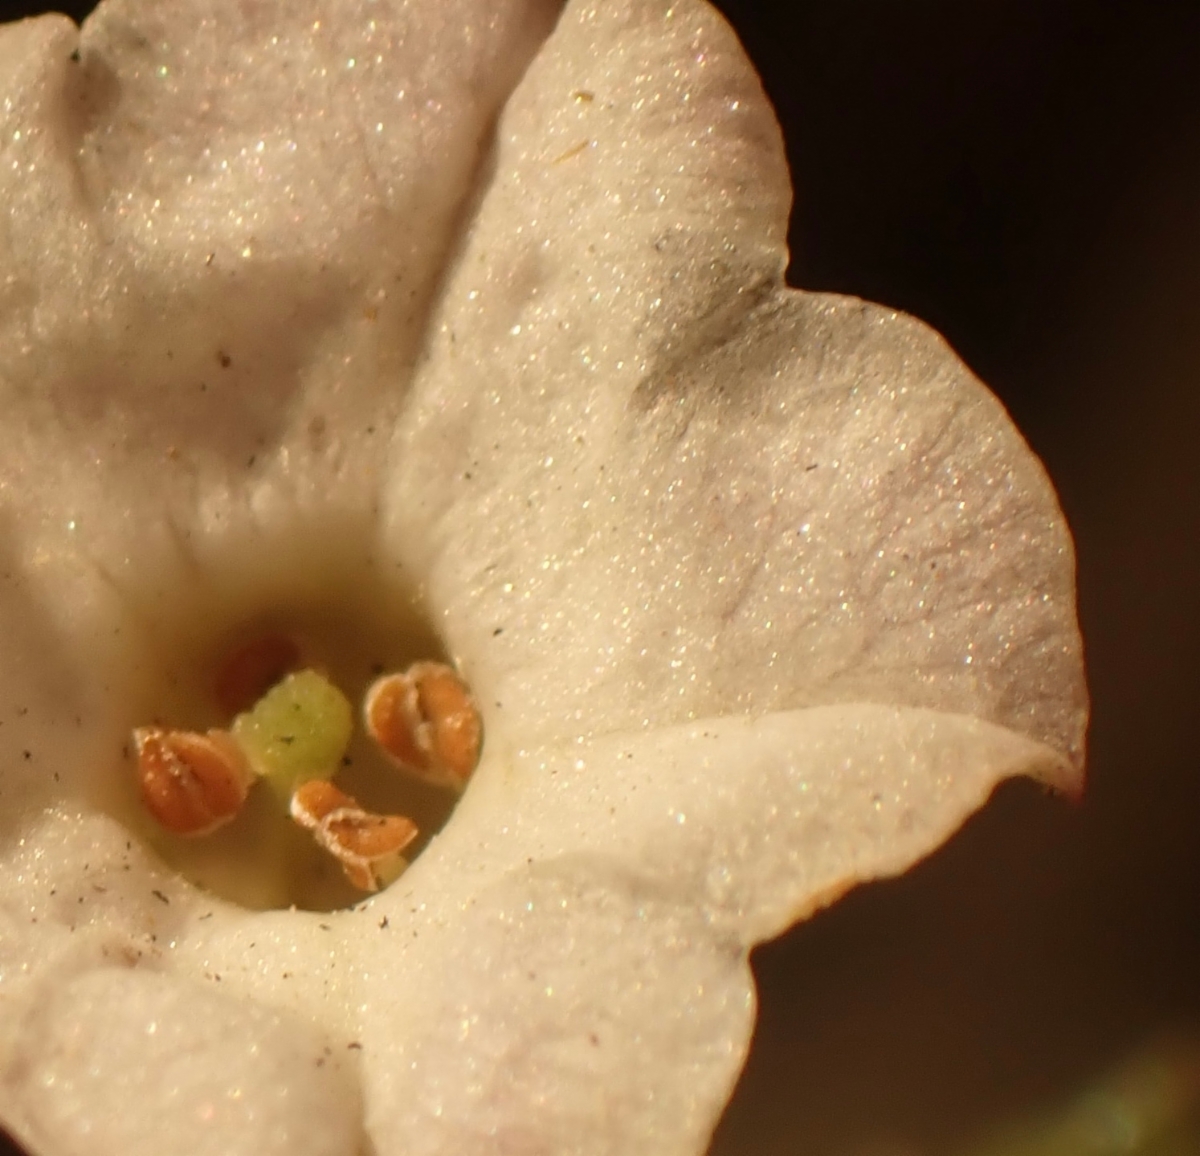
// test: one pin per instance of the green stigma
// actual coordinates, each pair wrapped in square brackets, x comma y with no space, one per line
[298,731]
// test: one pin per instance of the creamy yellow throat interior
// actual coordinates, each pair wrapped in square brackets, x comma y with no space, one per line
[351,619]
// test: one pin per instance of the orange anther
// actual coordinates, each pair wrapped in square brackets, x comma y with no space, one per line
[313,800]
[191,783]
[427,722]
[368,846]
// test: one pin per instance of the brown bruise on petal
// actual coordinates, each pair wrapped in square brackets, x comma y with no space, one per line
[427,722]
[368,846]
[191,783]
[247,674]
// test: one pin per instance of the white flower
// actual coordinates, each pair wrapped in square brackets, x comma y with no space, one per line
[760,592]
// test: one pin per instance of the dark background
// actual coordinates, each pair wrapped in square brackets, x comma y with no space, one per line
[1025,176]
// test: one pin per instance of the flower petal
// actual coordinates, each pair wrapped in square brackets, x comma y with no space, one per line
[225,224]
[126,1061]
[638,507]
[588,1012]
[600,929]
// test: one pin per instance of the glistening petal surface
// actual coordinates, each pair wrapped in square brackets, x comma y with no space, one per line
[656,467]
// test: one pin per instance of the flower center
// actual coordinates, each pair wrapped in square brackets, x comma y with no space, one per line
[296,744]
